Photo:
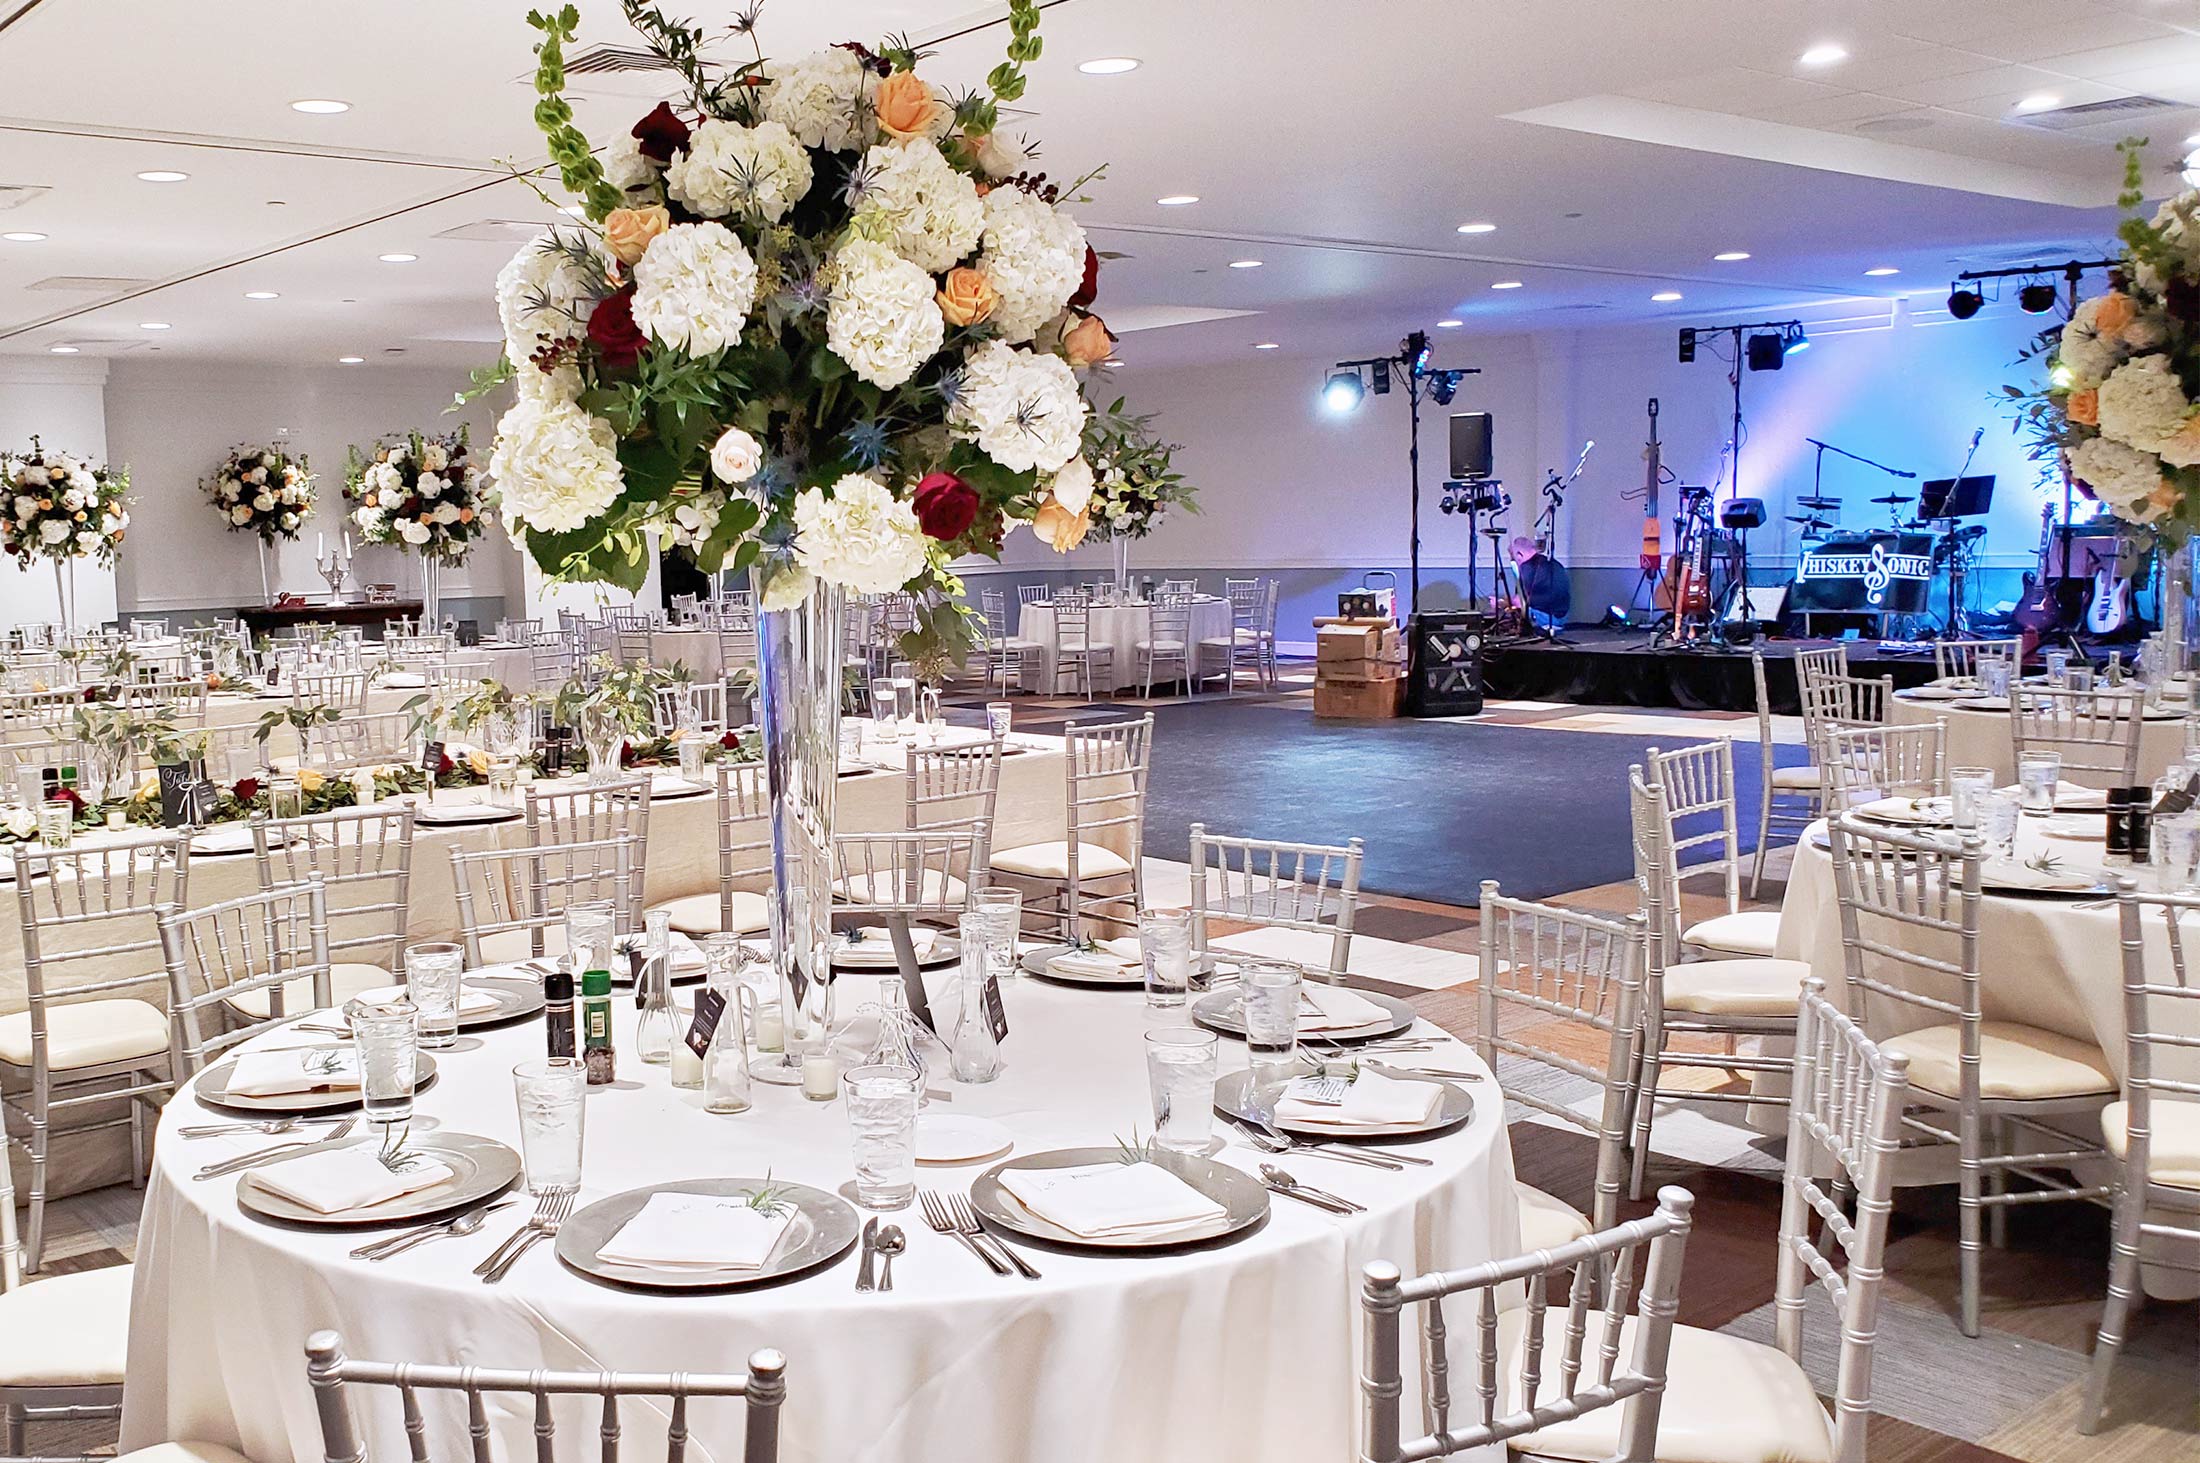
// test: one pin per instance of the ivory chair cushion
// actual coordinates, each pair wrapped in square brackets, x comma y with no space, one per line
[1051,860]
[1545,1222]
[346,978]
[88,1033]
[697,914]
[184,1453]
[1796,779]
[509,947]
[2015,1061]
[1726,1400]
[885,887]
[1736,987]
[1752,932]
[67,1330]
[1165,647]
[2173,1145]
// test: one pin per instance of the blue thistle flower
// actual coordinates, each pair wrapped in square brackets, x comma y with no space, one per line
[867,442]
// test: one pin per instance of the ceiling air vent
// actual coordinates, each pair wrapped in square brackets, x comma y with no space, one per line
[88,284]
[597,60]
[2116,110]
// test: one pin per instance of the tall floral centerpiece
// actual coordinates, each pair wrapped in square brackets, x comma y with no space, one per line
[265,492]
[1135,482]
[62,509]
[420,493]
[819,329]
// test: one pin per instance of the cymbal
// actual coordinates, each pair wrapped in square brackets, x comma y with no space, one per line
[1817,502]
[1895,498]
[1807,518]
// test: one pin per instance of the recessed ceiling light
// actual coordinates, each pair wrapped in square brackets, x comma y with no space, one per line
[1882,270]
[1665,297]
[2039,101]
[1177,200]
[320,106]
[261,295]
[1506,284]
[1731,256]
[1478,228]
[2193,141]
[1267,345]
[1245,264]
[1108,65]
[153,325]
[162,175]
[397,258]
[61,350]
[1449,324]
[1823,55]
[351,360]
[22,236]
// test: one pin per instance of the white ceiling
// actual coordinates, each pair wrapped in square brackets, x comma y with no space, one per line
[1617,144]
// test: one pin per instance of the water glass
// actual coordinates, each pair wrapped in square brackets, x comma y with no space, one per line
[1967,783]
[431,982]
[2192,733]
[851,740]
[905,706]
[56,822]
[553,1110]
[2177,852]
[590,930]
[693,750]
[999,911]
[386,1035]
[1993,675]
[1271,990]
[882,707]
[2058,665]
[1165,947]
[2037,774]
[998,717]
[504,779]
[285,799]
[1180,1069]
[2078,678]
[882,1125]
[1997,813]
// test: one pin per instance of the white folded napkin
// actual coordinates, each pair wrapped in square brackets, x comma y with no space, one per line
[471,1002]
[271,1074]
[1907,810]
[1125,948]
[349,1178]
[1372,1101]
[879,937]
[1333,1008]
[1111,1200]
[1101,964]
[404,681]
[697,1232]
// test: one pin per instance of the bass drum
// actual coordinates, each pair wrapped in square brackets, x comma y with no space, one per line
[1547,588]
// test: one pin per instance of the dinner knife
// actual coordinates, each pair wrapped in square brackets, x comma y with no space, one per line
[864,1280]
[1304,1196]
[276,1154]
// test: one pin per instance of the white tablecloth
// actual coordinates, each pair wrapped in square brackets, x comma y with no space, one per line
[1245,1351]
[1121,626]
[1981,738]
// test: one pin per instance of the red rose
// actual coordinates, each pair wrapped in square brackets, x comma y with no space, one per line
[1090,288]
[611,329]
[730,741]
[661,134]
[945,506]
[445,765]
[246,790]
[69,796]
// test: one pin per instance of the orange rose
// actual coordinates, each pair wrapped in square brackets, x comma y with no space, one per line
[627,231]
[1062,529]
[1088,343]
[465,515]
[2085,407]
[2114,312]
[967,296]
[2164,498]
[906,107]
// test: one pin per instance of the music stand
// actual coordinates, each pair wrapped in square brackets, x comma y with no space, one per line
[1943,501]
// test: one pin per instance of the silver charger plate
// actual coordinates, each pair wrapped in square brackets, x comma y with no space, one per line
[1222,1011]
[823,1228]
[879,954]
[1243,1197]
[1237,1096]
[517,999]
[461,815]
[212,1088]
[481,1168]
[1034,963]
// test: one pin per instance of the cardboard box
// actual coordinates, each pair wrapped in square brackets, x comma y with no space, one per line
[1360,700]
[1357,642]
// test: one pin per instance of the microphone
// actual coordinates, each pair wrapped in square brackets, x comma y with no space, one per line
[1977,437]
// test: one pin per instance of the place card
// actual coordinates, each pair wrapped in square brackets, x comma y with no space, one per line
[995,1012]
[710,1008]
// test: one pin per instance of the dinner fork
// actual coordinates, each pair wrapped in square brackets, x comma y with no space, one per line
[936,1215]
[244,1161]
[550,1212]
[966,1221]
[1271,1141]
[269,1126]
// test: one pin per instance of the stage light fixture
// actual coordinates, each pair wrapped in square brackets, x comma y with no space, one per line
[1382,378]
[1767,352]
[1415,349]
[1443,386]
[1963,303]
[1794,339]
[1688,344]
[1343,391]
[2036,298]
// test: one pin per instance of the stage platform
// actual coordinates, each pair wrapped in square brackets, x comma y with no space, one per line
[1620,668]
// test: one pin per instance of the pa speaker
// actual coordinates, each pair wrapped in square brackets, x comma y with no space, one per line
[1447,663]
[1470,445]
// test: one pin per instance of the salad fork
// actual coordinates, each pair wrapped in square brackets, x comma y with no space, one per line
[551,1211]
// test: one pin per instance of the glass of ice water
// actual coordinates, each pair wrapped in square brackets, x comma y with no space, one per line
[1180,1068]
[431,976]
[1271,990]
[999,716]
[1997,813]
[386,1035]
[882,1124]
[2177,852]
[2037,774]
[999,911]
[905,706]
[2058,665]
[553,1110]
[1165,945]
[590,929]
[694,747]
[1967,783]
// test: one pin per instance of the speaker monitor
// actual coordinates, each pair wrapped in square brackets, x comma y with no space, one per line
[1470,445]
[1742,513]
[1447,663]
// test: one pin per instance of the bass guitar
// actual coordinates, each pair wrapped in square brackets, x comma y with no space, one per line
[1653,470]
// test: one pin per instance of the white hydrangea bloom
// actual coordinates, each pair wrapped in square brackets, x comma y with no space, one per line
[729,169]
[557,466]
[2121,476]
[2089,355]
[919,204]
[627,168]
[1034,256]
[2143,404]
[543,297]
[694,287]
[824,99]
[1023,409]
[862,537]
[884,319]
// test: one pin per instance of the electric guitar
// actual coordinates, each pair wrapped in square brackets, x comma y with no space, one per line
[2108,607]
[2037,609]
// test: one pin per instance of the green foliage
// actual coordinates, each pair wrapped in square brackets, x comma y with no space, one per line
[577,165]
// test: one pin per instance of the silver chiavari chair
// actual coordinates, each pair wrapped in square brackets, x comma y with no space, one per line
[1835,703]
[592,813]
[1865,763]
[1076,654]
[763,1388]
[1168,643]
[2154,1132]
[362,858]
[1104,765]
[1701,814]
[182,702]
[951,787]
[2096,732]
[1542,1369]
[1787,797]
[1955,660]
[1909,928]
[254,945]
[902,878]
[38,713]
[91,953]
[1031,594]
[343,692]
[1554,982]
[633,643]
[550,659]
[1180,586]
[690,705]
[1006,654]
[1313,888]
[1828,660]
[744,860]
[39,1383]
[512,901]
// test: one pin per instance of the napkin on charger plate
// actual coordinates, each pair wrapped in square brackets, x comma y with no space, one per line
[1333,1008]
[698,1232]
[349,1178]
[2069,795]
[1372,1101]
[1102,964]
[1111,1200]
[880,937]
[472,1001]
[1125,948]
[296,1069]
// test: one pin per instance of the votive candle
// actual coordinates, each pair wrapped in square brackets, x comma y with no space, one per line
[820,1077]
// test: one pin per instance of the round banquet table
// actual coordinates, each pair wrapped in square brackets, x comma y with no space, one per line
[1246,1350]
[1980,738]
[1122,626]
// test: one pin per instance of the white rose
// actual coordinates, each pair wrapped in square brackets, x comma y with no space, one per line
[412,531]
[1073,485]
[22,822]
[290,520]
[71,500]
[397,452]
[240,515]
[53,531]
[736,456]
[434,458]
[430,485]
[87,540]
[446,513]
[263,503]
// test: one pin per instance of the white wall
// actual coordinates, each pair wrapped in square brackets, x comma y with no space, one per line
[63,403]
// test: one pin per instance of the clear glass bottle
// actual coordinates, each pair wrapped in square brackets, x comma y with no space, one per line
[659,1026]
[726,1065]
[897,1030]
[973,1054]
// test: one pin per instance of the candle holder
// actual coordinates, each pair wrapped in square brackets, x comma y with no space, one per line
[335,567]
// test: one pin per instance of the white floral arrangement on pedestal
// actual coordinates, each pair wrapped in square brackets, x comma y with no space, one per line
[418,492]
[61,507]
[262,490]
